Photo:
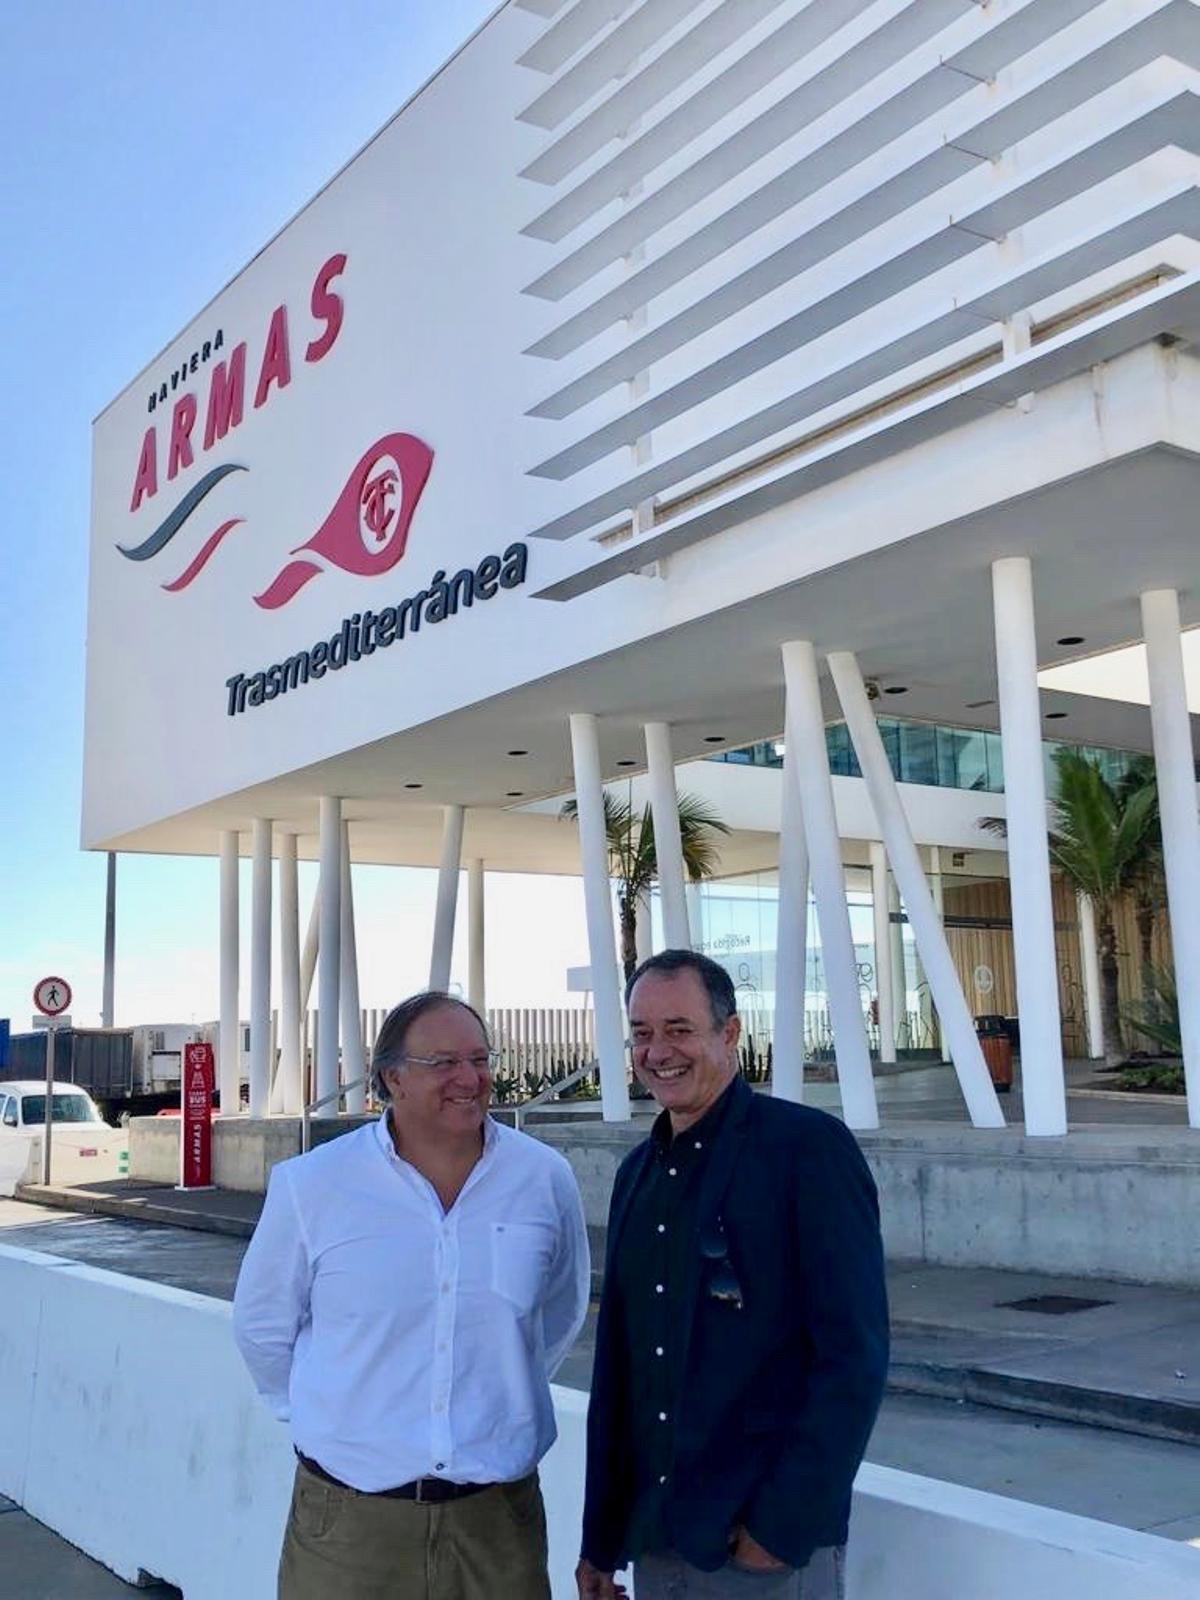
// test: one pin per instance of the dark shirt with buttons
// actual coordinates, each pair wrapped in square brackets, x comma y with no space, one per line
[658,1241]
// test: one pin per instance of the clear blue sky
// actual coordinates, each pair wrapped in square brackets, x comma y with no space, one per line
[149,151]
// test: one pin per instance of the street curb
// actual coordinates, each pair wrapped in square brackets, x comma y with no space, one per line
[1039,1397]
[1129,1096]
[134,1210]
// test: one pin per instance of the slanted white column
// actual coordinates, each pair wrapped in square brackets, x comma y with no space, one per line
[791,940]
[110,942]
[229,1048]
[668,848]
[288,1077]
[973,1077]
[447,897]
[805,735]
[1089,950]
[597,894]
[694,894]
[354,1061]
[308,961]
[1174,765]
[260,968]
[884,969]
[329,953]
[476,933]
[1042,1080]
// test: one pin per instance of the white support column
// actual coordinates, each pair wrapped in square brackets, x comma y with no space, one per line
[260,968]
[899,971]
[1042,1079]
[110,941]
[597,893]
[643,931]
[938,887]
[312,940]
[973,1077]
[291,1100]
[668,847]
[791,941]
[229,1048]
[885,989]
[354,1060]
[447,897]
[805,734]
[1175,767]
[1089,951]
[476,936]
[329,954]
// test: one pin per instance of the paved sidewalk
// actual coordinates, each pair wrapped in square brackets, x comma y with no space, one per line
[1118,1355]
[36,1564]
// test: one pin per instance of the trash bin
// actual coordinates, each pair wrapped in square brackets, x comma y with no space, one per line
[996,1044]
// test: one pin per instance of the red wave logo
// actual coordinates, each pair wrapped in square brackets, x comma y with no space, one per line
[367,530]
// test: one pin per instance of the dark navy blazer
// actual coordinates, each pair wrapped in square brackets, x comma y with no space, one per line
[778,1397]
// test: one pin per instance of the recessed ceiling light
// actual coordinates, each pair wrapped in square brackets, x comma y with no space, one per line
[714,738]
[515,794]
[900,688]
[414,785]
[1072,638]
[518,752]
[1056,716]
[978,705]
[627,763]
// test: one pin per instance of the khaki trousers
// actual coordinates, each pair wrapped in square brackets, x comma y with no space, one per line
[342,1545]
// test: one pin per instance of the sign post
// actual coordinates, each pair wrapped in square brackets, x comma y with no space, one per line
[51,996]
[195,1142]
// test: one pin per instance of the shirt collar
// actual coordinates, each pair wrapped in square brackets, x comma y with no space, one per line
[383,1135]
[702,1132]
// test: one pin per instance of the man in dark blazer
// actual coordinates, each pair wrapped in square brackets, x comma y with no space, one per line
[742,1340]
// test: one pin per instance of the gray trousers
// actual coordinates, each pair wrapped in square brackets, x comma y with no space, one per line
[662,1575]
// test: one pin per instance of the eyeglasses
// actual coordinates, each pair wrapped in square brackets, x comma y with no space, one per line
[723,1282]
[481,1060]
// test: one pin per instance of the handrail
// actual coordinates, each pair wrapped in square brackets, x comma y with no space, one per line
[306,1114]
[553,1090]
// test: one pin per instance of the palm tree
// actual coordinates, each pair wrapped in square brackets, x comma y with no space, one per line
[633,861]
[1100,835]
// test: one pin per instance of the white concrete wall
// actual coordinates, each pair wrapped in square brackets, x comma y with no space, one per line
[142,1442]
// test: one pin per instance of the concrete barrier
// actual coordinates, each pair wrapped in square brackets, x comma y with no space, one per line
[1113,1202]
[132,1429]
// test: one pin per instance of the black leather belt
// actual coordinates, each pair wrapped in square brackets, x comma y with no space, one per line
[427,1491]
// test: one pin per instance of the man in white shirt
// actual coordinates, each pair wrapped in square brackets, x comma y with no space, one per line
[408,1293]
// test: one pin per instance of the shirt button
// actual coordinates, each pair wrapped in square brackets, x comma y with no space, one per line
[662,1416]
[439,1466]
[671,1172]
[662,1227]
[662,1477]
[658,1288]
[698,1145]
[658,1349]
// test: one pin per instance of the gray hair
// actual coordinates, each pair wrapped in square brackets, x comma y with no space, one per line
[717,983]
[393,1036]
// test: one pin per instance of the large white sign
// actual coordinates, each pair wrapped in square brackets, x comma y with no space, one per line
[308,515]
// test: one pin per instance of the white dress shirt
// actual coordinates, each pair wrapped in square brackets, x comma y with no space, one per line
[402,1341]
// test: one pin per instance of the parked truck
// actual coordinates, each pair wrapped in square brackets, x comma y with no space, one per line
[125,1070]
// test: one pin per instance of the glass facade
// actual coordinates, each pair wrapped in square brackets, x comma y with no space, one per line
[938,757]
